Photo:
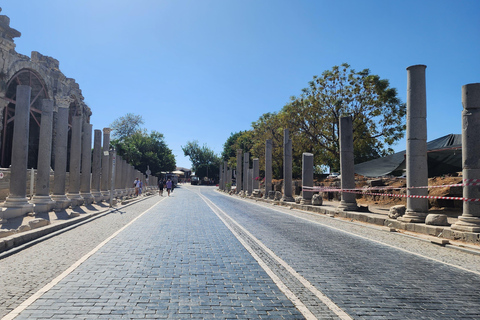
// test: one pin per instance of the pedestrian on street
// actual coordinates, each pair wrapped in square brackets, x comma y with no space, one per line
[169,186]
[136,184]
[160,187]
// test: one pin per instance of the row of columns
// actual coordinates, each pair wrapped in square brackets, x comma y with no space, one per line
[416,158]
[88,182]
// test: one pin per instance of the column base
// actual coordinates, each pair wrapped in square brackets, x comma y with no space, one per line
[468,224]
[287,199]
[106,195]
[413,217]
[347,206]
[61,202]
[75,198]
[306,202]
[15,207]
[97,196]
[42,203]
[87,198]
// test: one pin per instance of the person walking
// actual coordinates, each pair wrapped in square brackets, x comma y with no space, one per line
[136,184]
[169,186]
[160,187]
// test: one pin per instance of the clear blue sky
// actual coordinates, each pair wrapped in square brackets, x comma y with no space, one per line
[202,69]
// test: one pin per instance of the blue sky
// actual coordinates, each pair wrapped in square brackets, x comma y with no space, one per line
[202,69]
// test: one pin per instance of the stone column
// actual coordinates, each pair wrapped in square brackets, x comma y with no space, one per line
[60,152]
[256,174]
[246,165]
[417,168]
[239,171]
[42,200]
[220,177]
[75,159]
[250,182]
[287,167]
[347,170]
[469,221]
[97,165]
[118,177]
[307,177]
[268,167]
[225,173]
[85,182]
[106,169]
[17,203]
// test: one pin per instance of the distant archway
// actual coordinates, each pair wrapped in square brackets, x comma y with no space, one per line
[39,92]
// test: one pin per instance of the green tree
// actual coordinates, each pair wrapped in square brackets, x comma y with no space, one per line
[141,150]
[126,126]
[378,115]
[205,163]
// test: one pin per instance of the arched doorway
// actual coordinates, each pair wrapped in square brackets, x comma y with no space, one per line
[39,92]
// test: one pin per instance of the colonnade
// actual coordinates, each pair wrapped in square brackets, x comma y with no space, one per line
[416,159]
[88,181]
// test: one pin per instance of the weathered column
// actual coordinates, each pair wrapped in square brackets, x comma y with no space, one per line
[106,169]
[75,159]
[417,168]
[220,177]
[307,178]
[124,177]
[42,200]
[85,182]
[118,177]
[97,165]
[470,219]
[246,165]
[239,171]
[60,152]
[17,203]
[268,167]
[287,167]
[250,182]
[225,173]
[347,170]
[256,174]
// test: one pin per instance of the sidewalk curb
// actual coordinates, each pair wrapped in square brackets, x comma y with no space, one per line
[19,241]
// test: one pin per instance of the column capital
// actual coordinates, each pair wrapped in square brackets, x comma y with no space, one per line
[63,102]
[107,130]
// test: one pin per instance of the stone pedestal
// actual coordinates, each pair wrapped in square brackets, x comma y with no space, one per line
[239,171]
[17,203]
[97,166]
[417,168]
[60,151]
[287,167]
[470,219]
[75,160]
[347,170]
[42,200]
[268,167]
[85,178]
[307,178]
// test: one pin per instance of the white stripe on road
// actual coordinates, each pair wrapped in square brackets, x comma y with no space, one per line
[300,305]
[15,312]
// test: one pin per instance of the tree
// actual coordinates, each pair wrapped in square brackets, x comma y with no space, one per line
[126,126]
[378,115]
[205,162]
[141,150]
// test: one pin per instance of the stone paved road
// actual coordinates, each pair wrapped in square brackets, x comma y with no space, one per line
[192,257]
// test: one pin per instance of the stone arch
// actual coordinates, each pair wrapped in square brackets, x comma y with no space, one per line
[32,78]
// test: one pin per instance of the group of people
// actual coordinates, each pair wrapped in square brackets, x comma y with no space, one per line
[162,184]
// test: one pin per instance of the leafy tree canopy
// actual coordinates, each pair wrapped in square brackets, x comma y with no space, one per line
[204,160]
[126,126]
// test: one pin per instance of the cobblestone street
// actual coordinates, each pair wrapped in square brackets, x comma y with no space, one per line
[201,254]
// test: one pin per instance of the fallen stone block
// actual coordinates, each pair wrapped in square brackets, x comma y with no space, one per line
[271,195]
[38,223]
[23,228]
[436,220]
[298,199]
[396,211]
[317,200]
[6,233]
[278,195]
